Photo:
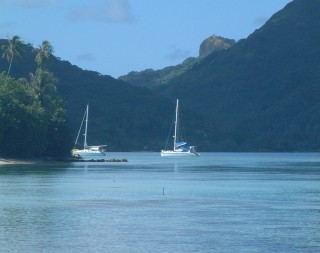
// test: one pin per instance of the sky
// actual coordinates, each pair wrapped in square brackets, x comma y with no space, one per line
[114,37]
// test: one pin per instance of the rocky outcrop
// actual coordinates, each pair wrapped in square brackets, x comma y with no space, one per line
[214,44]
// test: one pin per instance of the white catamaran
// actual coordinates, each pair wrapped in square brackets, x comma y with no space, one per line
[88,153]
[180,148]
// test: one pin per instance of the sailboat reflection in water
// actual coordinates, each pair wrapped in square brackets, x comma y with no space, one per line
[88,153]
[180,148]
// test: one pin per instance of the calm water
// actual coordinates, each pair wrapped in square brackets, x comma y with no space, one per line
[218,202]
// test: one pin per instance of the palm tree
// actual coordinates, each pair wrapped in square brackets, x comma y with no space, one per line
[41,81]
[43,53]
[14,48]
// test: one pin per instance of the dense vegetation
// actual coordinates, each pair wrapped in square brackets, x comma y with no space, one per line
[264,92]
[124,117]
[32,114]
[261,94]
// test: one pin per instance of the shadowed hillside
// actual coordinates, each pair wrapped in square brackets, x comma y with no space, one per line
[122,116]
[261,94]
[264,92]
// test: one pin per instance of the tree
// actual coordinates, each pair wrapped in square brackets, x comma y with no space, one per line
[32,125]
[14,48]
[32,114]
[43,87]
[43,84]
[23,124]
[42,81]
[43,53]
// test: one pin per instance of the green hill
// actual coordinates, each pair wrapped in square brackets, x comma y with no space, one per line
[122,116]
[151,79]
[261,94]
[264,92]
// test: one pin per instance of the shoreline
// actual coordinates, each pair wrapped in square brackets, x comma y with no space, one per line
[4,161]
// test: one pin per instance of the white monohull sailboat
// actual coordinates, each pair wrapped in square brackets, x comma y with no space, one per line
[180,148]
[88,153]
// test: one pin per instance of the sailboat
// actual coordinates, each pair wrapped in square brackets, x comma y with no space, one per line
[88,153]
[180,148]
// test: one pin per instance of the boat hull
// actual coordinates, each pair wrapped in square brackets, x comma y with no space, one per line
[89,155]
[177,153]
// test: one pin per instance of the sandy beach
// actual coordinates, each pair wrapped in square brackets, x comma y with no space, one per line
[4,161]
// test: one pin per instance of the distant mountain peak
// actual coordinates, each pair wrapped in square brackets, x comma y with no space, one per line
[214,43]
[151,79]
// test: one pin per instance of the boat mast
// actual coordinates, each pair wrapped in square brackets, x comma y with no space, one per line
[85,133]
[175,127]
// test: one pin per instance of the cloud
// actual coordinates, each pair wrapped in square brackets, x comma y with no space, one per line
[86,57]
[30,3]
[118,11]
[178,54]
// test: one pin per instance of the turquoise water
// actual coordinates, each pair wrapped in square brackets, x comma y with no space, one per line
[218,202]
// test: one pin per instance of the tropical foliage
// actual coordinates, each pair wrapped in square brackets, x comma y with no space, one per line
[32,115]
[13,49]
[261,94]
[43,53]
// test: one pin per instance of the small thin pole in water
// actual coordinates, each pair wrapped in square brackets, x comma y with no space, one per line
[163,191]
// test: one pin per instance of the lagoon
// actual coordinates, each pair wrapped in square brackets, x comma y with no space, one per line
[218,202]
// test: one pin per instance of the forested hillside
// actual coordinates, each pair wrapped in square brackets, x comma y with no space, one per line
[124,117]
[121,116]
[264,91]
[152,79]
[261,94]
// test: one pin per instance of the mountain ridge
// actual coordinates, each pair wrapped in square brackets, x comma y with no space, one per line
[260,88]
[261,94]
[151,79]
[124,117]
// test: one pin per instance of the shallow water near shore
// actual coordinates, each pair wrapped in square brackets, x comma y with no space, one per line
[218,202]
